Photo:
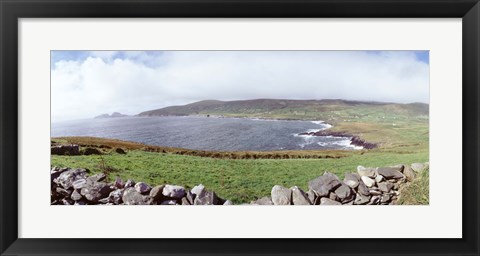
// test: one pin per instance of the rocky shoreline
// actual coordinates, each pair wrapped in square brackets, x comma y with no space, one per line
[367,186]
[355,140]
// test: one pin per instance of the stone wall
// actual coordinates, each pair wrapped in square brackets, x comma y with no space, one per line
[368,186]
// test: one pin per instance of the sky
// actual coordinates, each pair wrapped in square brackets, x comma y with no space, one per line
[85,84]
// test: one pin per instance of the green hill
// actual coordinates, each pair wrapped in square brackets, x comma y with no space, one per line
[288,109]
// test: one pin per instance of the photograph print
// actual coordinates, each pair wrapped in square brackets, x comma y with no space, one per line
[242,128]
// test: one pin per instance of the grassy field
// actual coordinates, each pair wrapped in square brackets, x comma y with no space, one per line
[401,131]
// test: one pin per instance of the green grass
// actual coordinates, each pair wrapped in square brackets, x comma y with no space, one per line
[240,180]
[417,192]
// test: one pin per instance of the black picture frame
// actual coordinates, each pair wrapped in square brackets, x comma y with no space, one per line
[12,10]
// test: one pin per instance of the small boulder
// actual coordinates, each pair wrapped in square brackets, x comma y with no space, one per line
[369,172]
[409,173]
[66,178]
[142,188]
[299,197]
[206,198]
[385,186]
[156,193]
[328,201]
[344,192]
[132,197]
[324,184]
[390,172]
[374,200]
[228,202]
[119,182]
[361,199]
[311,196]
[173,191]
[97,177]
[75,195]
[129,184]
[94,191]
[362,189]
[281,195]
[115,196]
[418,167]
[368,181]
[198,189]
[379,178]
[264,201]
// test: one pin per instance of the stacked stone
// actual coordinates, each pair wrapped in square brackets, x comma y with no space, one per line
[368,186]
[75,187]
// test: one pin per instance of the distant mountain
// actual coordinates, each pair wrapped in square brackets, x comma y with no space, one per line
[114,114]
[289,109]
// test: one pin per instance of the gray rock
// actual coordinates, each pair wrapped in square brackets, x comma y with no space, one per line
[281,195]
[228,202]
[206,198]
[374,200]
[129,184]
[185,201]
[311,196]
[385,198]
[198,189]
[132,197]
[78,184]
[385,186]
[299,197]
[344,192]
[115,196]
[379,178]
[68,177]
[368,181]
[390,172]
[119,183]
[142,188]
[352,176]
[362,189]
[328,201]
[369,172]
[55,172]
[264,201]
[97,177]
[418,167]
[333,196]
[94,191]
[63,192]
[409,173]
[351,183]
[375,192]
[324,184]
[361,199]
[156,194]
[173,191]
[75,195]
[190,197]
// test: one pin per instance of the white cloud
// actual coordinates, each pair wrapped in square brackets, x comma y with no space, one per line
[136,82]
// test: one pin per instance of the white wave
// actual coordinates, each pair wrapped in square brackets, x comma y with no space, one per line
[347,143]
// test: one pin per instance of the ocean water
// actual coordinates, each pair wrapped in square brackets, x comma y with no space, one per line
[207,133]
